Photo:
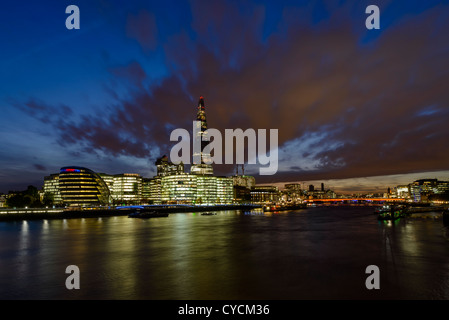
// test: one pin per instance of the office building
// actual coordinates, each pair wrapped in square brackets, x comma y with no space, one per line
[127,189]
[201,160]
[80,187]
[51,188]
[265,194]
[420,190]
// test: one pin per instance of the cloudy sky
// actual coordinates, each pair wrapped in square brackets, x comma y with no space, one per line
[355,107]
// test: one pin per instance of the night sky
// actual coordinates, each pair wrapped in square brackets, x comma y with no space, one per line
[349,103]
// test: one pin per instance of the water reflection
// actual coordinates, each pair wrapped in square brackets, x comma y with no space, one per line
[315,253]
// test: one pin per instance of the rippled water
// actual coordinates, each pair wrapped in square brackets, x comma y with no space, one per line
[315,253]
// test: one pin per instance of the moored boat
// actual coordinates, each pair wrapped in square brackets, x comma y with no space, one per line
[385,208]
[391,213]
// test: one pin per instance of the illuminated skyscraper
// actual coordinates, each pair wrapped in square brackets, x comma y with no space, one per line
[201,161]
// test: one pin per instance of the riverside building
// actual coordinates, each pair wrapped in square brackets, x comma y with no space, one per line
[188,188]
[425,190]
[127,189]
[242,187]
[265,194]
[51,186]
[81,187]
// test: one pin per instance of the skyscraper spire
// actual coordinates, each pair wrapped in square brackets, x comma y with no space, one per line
[203,167]
[201,114]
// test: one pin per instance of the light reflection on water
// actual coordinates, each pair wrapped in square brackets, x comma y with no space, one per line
[316,253]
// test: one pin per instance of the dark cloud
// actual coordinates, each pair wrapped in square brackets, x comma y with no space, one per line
[143,28]
[44,112]
[39,167]
[133,73]
[361,109]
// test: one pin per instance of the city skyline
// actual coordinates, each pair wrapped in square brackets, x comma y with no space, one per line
[363,185]
[353,106]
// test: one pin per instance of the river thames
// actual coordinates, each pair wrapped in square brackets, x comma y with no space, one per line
[313,253]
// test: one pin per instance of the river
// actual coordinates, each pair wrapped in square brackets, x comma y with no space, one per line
[313,253]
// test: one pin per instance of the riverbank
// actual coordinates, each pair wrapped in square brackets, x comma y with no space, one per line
[42,214]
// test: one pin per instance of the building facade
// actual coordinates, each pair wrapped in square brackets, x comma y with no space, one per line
[426,190]
[242,185]
[51,187]
[2,200]
[186,188]
[127,189]
[265,194]
[178,189]
[402,191]
[420,190]
[293,192]
[81,187]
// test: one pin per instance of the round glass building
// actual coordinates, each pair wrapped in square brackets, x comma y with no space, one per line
[82,187]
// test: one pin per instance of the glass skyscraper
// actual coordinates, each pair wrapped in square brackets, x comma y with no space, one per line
[201,161]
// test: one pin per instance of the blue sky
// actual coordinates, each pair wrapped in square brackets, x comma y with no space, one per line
[348,102]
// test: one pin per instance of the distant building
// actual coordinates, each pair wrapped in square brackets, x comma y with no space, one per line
[166,168]
[146,191]
[320,194]
[2,200]
[225,190]
[241,194]
[178,189]
[420,190]
[242,185]
[265,194]
[244,181]
[51,186]
[442,187]
[427,190]
[293,192]
[403,191]
[330,194]
[127,189]
[187,188]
